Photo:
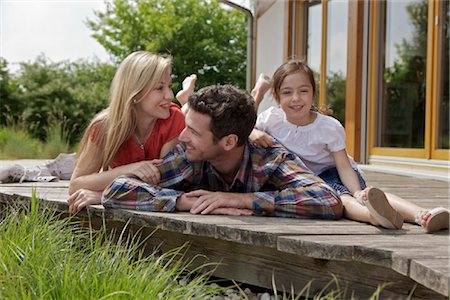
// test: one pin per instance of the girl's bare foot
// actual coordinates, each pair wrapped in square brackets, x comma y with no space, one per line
[189,83]
[188,89]
[261,87]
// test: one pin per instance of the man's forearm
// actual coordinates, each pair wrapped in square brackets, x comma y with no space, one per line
[131,193]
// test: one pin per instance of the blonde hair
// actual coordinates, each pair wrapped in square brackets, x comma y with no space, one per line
[137,75]
[291,67]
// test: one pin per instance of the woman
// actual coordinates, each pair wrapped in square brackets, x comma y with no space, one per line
[140,126]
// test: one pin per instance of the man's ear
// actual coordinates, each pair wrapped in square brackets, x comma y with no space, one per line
[229,142]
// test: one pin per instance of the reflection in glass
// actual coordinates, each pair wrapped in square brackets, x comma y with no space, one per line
[443,93]
[337,57]
[401,103]
[315,39]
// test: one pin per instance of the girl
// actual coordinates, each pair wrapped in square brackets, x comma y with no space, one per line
[319,140]
[140,126]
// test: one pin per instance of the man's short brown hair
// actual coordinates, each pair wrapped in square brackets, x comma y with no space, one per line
[231,109]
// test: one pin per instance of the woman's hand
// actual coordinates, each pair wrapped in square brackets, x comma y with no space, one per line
[83,198]
[147,171]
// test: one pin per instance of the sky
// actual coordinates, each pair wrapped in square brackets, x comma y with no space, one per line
[53,27]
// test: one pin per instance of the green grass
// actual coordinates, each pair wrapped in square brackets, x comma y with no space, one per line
[43,256]
[16,143]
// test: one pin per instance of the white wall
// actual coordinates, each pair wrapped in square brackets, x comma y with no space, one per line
[270,43]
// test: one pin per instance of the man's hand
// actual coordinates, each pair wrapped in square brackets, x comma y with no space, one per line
[187,200]
[82,198]
[184,202]
[220,203]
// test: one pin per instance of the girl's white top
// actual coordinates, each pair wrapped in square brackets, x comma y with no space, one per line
[313,143]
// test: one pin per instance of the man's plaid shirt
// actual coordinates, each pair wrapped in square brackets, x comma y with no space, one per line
[281,185]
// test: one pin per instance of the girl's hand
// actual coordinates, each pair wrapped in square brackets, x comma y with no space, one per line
[260,138]
[147,171]
[361,196]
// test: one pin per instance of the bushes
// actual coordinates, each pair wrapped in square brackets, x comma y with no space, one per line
[44,93]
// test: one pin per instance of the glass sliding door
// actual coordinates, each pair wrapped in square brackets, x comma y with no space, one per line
[327,52]
[400,107]
[314,40]
[409,79]
[442,141]
[336,68]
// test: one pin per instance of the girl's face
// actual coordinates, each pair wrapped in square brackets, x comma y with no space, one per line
[156,102]
[296,99]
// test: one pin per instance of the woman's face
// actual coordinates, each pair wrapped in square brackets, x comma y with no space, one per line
[156,102]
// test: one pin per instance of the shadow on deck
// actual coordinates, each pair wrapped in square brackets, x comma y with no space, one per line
[254,250]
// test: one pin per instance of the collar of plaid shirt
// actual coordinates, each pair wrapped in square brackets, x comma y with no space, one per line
[243,175]
[179,173]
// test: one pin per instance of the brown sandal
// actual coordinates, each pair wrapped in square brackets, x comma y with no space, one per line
[382,211]
[438,220]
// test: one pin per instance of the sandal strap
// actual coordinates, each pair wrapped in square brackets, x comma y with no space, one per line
[359,199]
[419,216]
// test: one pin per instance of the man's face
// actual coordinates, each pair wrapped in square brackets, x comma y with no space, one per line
[198,137]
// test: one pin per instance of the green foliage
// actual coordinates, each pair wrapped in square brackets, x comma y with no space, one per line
[202,37]
[18,144]
[336,95]
[70,93]
[57,138]
[9,106]
[45,257]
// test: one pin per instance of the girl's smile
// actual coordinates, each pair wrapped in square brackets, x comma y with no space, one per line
[296,99]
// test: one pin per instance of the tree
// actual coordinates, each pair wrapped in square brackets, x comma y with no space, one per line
[10,107]
[202,37]
[336,95]
[64,93]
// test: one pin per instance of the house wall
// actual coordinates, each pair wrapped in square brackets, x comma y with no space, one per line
[270,43]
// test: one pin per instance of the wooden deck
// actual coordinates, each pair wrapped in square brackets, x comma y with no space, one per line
[255,250]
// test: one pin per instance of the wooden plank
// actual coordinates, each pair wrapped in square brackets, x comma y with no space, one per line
[429,271]
[394,252]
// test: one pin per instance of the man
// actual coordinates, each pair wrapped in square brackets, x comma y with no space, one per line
[215,170]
